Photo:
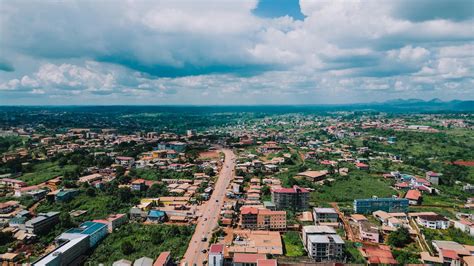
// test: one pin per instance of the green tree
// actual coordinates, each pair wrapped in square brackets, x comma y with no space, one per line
[399,238]
[127,248]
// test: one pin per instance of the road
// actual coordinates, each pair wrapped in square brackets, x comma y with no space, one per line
[210,214]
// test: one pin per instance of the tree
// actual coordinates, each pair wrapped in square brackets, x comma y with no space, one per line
[399,238]
[127,248]
[90,192]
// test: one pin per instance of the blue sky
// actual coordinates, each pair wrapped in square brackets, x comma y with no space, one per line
[235,52]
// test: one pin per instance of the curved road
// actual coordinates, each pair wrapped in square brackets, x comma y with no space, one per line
[210,214]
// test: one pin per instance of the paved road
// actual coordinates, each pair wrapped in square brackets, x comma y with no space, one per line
[210,214]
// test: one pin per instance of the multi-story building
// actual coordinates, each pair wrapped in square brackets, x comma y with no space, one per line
[42,222]
[368,232]
[295,198]
[433,221]
[95,231]
[325,215]
[216,255]
[322,243]
[263,219]
[367,206]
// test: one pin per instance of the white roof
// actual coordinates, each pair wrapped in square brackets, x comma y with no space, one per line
[324,210]
[325,239]
[318,229]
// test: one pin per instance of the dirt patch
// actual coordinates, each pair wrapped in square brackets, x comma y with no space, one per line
[209,155]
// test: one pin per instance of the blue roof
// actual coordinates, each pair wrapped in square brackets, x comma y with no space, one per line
[87,228]
[156,213]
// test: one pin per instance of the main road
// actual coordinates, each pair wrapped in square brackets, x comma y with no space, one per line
[210,214]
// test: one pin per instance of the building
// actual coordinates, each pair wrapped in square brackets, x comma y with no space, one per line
[156,216]
[164,259]
[216,255]
[368,232]
[68,251]
[322,243]
[125,161]
[65,195]
[433,177]
[114,221]
[95,231]
[173,145]
[143,261]
[433,221]
[378,255]
[325,215]
[247,259]
[367,206]
[295,198]
[42,223]
[413,196]
[262,219]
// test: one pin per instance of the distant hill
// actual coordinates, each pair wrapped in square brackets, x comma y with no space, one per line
[417,105]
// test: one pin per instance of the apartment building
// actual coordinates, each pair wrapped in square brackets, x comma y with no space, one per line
[262,219]
[216,255]
[368,206]
[295,198]
[42,223]
[325,215]
[322,243]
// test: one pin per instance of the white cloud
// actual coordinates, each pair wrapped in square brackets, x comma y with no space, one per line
[183,49]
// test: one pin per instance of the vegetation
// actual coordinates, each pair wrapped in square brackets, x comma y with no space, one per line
[399,238]
[42,172]
[133,241]
[450,234]
[293,245]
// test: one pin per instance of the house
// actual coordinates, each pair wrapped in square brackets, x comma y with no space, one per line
[12,183]
[362,166]
[125,161]
[90,178]
[143,261]
[8,207]
[378,255]
[313,175]
[433,221]
[451,252]
[368,232]
[65,195]
[290,198]
[156,216]
[465,225]
[366,206]
[164,259]
[139,184]
[433,177]
[413,196]
[325,215]
[216,255]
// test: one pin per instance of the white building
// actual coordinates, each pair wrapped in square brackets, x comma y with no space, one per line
[216,255]
[433,221]
[322,243]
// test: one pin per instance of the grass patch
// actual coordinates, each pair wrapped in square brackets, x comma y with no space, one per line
[293,245]
[44,171]
[354,186]
[147,240]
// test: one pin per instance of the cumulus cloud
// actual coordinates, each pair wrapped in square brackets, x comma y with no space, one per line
[178,51]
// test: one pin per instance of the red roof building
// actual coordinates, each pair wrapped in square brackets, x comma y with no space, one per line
[248,258]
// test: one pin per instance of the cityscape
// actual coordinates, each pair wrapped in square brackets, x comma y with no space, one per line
[236,133]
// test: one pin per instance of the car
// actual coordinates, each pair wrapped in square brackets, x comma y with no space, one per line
[204,239]
[217,200]
[205,219]
[204,250]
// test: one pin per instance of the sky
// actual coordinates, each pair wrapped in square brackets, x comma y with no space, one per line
[234,52]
